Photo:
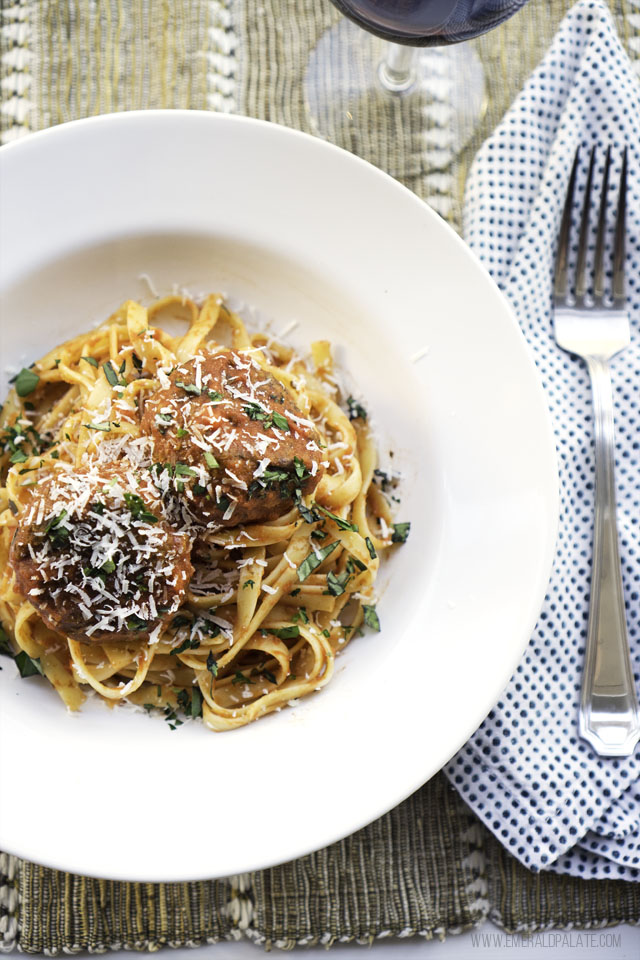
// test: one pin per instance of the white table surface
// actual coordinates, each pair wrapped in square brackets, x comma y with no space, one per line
[487,942]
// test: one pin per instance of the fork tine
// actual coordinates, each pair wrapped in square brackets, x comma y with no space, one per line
[618,254]
[598,282]
[562,256]
[583,240]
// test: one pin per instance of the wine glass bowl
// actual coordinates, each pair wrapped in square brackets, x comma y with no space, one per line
[424,23]
[393,82]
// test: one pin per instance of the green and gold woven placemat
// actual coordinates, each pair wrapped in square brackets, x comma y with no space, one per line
[428,867]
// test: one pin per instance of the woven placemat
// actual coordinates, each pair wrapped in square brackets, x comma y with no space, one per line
[428,867]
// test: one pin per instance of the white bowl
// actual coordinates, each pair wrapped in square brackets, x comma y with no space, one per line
[304,231]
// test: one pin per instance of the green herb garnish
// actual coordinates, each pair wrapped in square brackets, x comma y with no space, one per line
[196,703]
[90,360]
[111,374]
[138,509]
[371,617]
[189,387]
[336,583]
[210,460]
[280,422]
[400,532]
[104,427]
[284,633]
[182,470]
[356,411]
[370,548]
[240,678]
[342,524]
[191,643]
[27,666]
[310,563]
[26,382]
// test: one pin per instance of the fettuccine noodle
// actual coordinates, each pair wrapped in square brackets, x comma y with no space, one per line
[268,603]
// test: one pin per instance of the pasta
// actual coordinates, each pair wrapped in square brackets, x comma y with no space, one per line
[207,591]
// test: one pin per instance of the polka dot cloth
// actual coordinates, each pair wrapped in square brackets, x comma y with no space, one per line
[543,792]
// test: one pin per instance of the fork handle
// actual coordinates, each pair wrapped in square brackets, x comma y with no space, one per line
[609,713]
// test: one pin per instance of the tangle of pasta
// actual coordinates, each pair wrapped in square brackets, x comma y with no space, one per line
[254,611]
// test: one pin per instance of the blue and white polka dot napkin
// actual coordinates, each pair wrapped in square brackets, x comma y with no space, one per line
[543,792]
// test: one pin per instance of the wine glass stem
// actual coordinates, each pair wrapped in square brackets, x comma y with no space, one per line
[396,72]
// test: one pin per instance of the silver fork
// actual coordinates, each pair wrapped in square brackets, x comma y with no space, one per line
[595,326]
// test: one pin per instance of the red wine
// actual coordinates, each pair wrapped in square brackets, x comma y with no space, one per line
[428,22]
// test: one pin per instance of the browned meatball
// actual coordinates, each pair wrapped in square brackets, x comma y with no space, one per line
[96,559]
[230,441]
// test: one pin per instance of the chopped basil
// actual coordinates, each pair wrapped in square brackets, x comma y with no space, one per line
[371,617]
[90,360]
[18,457]
[138,509]
[212,665]
[172,718]
[111,374]
[301,470]
[281,422]
[400,532]
[342,524]
[240,678]
[309,516]
[181,432]
[370,548]
[189,387]
[105,427]
[57,534]
[165,417]
[356,411]
[27,666]
[134,622]
[300,615]
[208,626]
[191,643]
[210,460]
[294,593]
[315,559]
[336,583]
[284,633]
[182,470]
[108,566]
[26,382]
[214,395]
[196,703]
[5,645]
[254,412]
[248,583]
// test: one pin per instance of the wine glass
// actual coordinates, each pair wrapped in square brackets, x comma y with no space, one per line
[419,95]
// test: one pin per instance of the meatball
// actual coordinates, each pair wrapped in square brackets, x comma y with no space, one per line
[230,441]
[95,557]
